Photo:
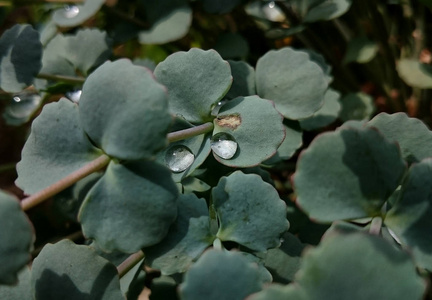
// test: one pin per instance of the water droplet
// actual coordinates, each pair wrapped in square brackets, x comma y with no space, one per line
[74,96]
[217,107]
[17,99]
[224,145]
[271,4]
[179,158]
[70,11]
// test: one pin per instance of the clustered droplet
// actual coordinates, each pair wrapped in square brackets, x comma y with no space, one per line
[178,158]
[224,145]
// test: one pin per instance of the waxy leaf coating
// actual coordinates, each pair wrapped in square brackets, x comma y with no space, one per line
[347,174]
[56,147]
[196,80]
[131,207]
[286,77]
[16,239]
[21,53]
[68,271]
[125,111]
[254,217]
[220,275]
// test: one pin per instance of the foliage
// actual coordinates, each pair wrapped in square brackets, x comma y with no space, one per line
[219,150]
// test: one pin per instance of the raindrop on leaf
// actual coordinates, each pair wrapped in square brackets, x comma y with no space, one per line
[224,145]
[70,11]
[179,158]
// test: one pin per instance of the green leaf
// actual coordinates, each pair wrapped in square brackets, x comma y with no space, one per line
[280,292]
[356,106]
[412,135]
[347,174]
[286,77]
[196,80]
[244,215]
[186,240]
[16,238]
[414,73]
[170,20]
[131,207]
[324,10]
[219,7]
[68,271]
[360,50]
[243,80]
[409,218]
[232,46]
[326,115]
[283,262]
[220,275]
[293,141]
[359,266]
[56,147]
[256,127]
[21,291]
[74,15]
[125,111]
[21,53]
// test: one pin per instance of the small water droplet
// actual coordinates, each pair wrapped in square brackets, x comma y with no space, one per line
[70,11]
[217,107]
[74,96]
[224,145]
[21,107]
[179,158]
[271,4]
[17,99]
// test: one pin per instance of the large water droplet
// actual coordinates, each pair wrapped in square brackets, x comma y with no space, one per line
[224,145]
[179,158]
[74,96]
[70,11]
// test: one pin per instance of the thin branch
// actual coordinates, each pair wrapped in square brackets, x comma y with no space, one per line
[129,263]
[190,132]
[68,79]
[66,182]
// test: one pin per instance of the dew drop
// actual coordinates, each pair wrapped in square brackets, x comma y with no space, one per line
[179,158]
[70,11]
[17,99]
[74,96]
[224,145]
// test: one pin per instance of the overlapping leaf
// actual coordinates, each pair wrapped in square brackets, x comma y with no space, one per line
[125,111]
[243,80]
[255,125]
[68,271]
[56,147]
[196,80]
[285,76]
[220,275]
[356,106]
[16,238]
[244,213]
[21,53]
[347,174]
[22,290]
[131,207]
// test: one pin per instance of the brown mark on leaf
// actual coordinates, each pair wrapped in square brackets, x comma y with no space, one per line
[231,121]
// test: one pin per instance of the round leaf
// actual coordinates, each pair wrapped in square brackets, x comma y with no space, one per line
[414,73]
[244,215]
[359,266]
[21,53]
[409,218]
[326,115]
[220,275]
[56,147]
[74,15]
[256,127]
[286,77]
[196,81]
[324,10]
[125,111]
[243,80]
[170,20]
[412,135]
[16,239]
[187,238]
[68,271]
[347,174]
[360,50]
[232,46]
[356,106]
[131,207]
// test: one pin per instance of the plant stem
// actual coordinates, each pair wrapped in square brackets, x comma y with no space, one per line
[7,167]
[129,263]
[375,226]
[68,79]
[66,182]
[190,132]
